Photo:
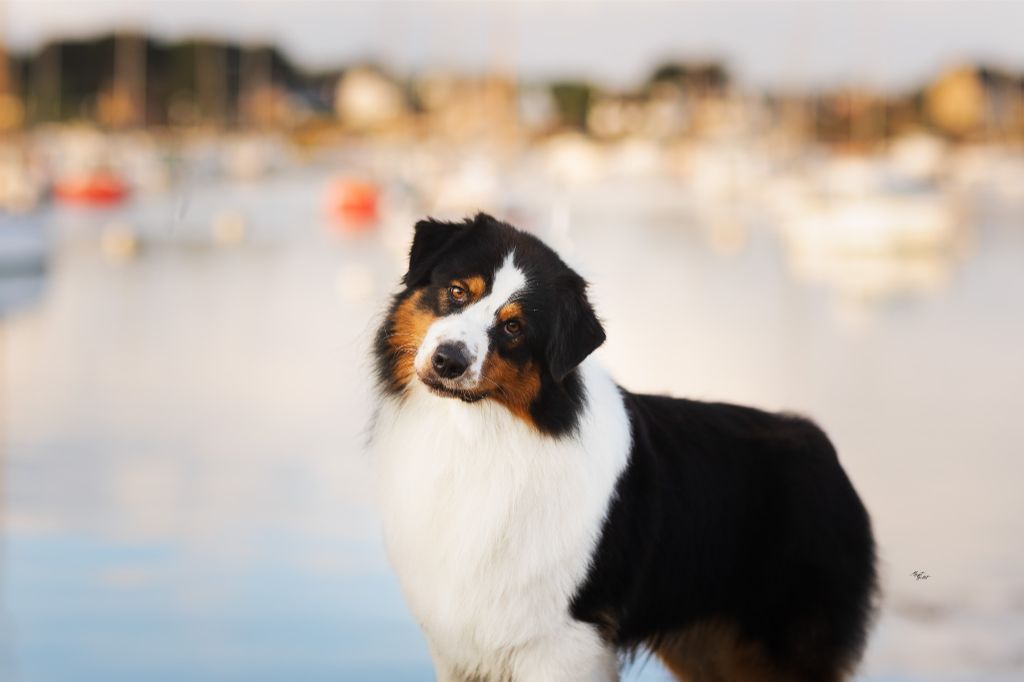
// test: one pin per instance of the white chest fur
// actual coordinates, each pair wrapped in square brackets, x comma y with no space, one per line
[489,524]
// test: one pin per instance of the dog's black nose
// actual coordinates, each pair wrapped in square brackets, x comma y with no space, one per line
[450,360]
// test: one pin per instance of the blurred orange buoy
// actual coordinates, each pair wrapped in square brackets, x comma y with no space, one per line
[354,202]
[100,189]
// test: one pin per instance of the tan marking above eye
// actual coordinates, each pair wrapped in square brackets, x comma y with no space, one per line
[510,311]
[476,286]
[464,290]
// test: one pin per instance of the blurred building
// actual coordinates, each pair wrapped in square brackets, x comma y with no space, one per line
[458,107]
[973,101]
[367,100]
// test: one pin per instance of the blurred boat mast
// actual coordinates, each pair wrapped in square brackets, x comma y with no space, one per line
[211,83]
[256,83]
[5,654]
[45,84]
[5,74]
[130,79]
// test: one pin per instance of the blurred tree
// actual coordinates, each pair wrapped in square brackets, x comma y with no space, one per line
[131,79]
[701,77]
[572,101]
[955,103]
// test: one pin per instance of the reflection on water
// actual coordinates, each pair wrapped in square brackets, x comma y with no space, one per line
[185,495]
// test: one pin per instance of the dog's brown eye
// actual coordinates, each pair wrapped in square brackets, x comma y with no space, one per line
[457,294]
[513,327]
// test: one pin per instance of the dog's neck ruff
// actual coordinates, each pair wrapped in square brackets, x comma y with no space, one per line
[490,523]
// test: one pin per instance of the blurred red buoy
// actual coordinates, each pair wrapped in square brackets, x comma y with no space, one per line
[354,202]
[101,188]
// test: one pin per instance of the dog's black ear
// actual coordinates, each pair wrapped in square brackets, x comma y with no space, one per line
[576,332]
[431,239]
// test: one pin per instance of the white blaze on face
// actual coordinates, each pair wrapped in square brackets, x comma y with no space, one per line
[471,324]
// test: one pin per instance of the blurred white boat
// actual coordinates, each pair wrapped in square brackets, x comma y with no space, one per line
[890,222]
[92,168]
[919,156]
[997,171]
[144,161]
[858,207]
[573,160]
[471,186]
[249,157]
[22,182]
[720,171]
[866,230]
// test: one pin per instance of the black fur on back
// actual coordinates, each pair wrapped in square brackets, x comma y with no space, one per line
[732,515]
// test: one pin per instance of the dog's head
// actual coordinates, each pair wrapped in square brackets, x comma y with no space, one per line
[489,313]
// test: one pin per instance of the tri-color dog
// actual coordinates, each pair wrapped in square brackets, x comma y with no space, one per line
[545,523]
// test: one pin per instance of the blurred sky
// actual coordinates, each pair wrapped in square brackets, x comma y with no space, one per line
[778,44]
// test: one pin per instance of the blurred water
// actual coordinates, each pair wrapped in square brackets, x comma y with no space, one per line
[185,494]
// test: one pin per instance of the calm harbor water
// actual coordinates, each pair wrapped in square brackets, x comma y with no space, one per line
[185,494]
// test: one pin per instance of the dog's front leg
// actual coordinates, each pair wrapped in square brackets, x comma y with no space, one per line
[575,654]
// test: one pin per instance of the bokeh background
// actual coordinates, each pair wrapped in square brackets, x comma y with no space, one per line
[204,206]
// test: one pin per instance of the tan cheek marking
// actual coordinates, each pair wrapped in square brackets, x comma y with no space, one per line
[515,386]
[411,323]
